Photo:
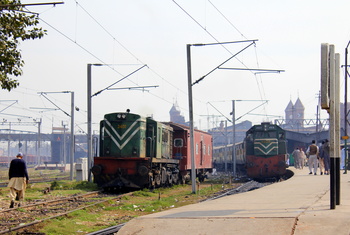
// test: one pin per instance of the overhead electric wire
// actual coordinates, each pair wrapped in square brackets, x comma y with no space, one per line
[212,36]
[107,31]
[125,48]
[86,50]
[227,20]
[133,55]
[260,85]
[262,93]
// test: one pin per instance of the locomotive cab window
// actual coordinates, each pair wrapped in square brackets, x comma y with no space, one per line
[267,134]
[178,142]
[165,136]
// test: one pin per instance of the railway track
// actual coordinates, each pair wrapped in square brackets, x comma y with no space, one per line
[108,231]
[31,181]
[20,219]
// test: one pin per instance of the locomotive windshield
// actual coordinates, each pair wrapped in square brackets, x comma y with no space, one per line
[266,134]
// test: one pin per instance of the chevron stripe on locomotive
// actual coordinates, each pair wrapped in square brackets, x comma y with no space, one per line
[138,152]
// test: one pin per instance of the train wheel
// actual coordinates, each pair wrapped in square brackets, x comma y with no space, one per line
[182,180]
[164,177]
[169,180]
[157,180]
[152,183]
[201,177]
[175,179]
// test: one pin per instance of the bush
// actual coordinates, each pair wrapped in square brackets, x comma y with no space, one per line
[85,185]
[55,185]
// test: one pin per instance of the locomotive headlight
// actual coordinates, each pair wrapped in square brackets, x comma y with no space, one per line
[119,115]
[123,116]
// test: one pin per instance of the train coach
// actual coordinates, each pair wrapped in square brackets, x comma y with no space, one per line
[262,155]
[139,152]
[222,158]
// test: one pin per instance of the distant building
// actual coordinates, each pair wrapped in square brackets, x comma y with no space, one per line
[175,115]
[223,136]
[294,116]
[294,121]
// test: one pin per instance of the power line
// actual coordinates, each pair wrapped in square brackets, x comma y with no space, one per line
[227,20]
[211,35]
[133,55]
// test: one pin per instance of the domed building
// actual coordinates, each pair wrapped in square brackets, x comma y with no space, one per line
[175,115]
[294,115]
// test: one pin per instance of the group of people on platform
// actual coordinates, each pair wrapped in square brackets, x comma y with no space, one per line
[316,157]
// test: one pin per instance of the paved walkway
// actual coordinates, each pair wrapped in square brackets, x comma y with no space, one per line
[300,205]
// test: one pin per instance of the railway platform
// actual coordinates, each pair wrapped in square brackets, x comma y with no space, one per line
[297,206]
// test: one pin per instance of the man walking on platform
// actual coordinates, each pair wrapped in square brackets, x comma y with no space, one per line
[302,158]
[296,156]
[312,152]
[325,155]
[18,176]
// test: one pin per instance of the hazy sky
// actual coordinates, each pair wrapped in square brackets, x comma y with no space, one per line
[126,35]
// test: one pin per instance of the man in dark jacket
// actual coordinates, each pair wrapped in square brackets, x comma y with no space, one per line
[18,176]
[312,151]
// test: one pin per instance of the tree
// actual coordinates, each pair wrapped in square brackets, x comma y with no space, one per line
[15,25]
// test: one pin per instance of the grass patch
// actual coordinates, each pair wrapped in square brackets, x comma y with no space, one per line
[82,221]
[144,193]
[73,185]
[113,211]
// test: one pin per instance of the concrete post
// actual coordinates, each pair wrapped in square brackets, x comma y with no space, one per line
[81,168]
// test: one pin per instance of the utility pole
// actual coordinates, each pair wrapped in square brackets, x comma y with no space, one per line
[89,129]
[39,139]
[190,103]
[346,137]
[72,140]
[226,143]
[234,138]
